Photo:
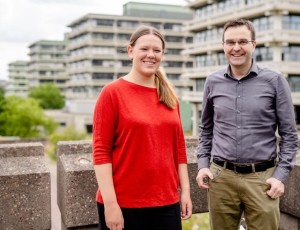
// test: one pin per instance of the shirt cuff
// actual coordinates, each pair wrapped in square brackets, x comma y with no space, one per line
[281,174]
[203,163]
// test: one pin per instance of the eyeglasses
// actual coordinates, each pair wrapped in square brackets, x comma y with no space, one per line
[241,42]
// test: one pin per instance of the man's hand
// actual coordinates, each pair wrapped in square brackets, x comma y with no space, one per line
[276,189]
[202,178]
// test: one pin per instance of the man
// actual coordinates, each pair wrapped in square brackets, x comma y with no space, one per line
[244,106]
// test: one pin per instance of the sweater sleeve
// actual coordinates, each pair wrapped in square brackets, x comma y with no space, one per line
[104,125]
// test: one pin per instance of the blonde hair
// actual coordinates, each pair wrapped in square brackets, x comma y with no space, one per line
[165,90]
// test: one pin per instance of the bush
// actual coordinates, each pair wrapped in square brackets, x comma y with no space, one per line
[67,134]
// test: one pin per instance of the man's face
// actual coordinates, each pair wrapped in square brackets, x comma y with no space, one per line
[239,47]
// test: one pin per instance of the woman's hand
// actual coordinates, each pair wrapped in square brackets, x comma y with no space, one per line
[113,217]
[186,205]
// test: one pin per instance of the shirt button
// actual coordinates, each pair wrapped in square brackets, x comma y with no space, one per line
[238,96]
[239,127]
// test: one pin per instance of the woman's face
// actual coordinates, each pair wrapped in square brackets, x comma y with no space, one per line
[146,54]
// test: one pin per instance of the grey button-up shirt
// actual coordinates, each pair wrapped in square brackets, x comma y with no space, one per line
[240,119]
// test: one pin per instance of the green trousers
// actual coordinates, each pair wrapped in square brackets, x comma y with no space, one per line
[231,194]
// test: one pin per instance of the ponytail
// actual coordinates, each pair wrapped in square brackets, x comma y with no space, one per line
[165,90]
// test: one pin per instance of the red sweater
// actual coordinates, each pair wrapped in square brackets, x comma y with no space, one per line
[143,140]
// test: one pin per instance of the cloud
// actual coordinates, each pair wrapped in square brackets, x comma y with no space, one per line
[23,22]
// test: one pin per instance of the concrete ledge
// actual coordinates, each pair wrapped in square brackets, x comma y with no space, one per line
[199,196]
[24,187]
[288,222]
[290,202]
[76,184]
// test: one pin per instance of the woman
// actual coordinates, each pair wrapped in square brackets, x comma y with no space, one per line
[138,145]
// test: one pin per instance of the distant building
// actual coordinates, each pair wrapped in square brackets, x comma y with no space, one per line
[97,52]
[94,54]
[277,25]
[48,64]
[18,81]
[97,46]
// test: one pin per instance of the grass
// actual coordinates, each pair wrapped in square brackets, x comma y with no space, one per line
[197,222]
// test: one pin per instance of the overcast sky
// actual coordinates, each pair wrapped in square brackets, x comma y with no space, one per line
[23,22]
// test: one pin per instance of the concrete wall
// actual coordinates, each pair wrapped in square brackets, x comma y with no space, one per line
[25,187]
[290,205]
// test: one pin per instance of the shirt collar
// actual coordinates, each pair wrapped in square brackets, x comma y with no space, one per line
[253,72]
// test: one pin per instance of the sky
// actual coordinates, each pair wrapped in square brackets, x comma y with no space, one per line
[23,22]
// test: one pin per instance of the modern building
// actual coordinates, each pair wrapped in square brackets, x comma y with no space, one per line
[48,64]
[277,25]
[97,52]
[97,46]
[18,81]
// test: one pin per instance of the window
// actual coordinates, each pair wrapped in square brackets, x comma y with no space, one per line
[105,22]
[89,129]
[97,62]
[200,84]
[291,53]
[263,54]
[102,76]
[173,76]
[291,22]
[173,51]
[294,82]
[263,23]
[173,39]
[131,24]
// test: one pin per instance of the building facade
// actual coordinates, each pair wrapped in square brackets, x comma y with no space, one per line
[97,46]
[18,81]
[277,25]
[48,64]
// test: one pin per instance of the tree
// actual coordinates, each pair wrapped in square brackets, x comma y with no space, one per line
[2,99]
[24,118]
[67,134]
[48,95]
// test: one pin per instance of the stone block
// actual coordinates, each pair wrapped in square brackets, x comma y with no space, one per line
[290,202]
[25,201]
[76,184]
[198,196]
[288,222]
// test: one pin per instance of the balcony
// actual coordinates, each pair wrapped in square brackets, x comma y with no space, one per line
[87,82]
[244,11]
[269,37]
[296,98]
[193,96]
[202,47]
[286,67]
[90,42]
[91,56]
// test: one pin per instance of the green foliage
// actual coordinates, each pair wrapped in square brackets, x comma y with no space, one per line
[24,118]
[197,222]
[2,99]
[48,95]
[67,134]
